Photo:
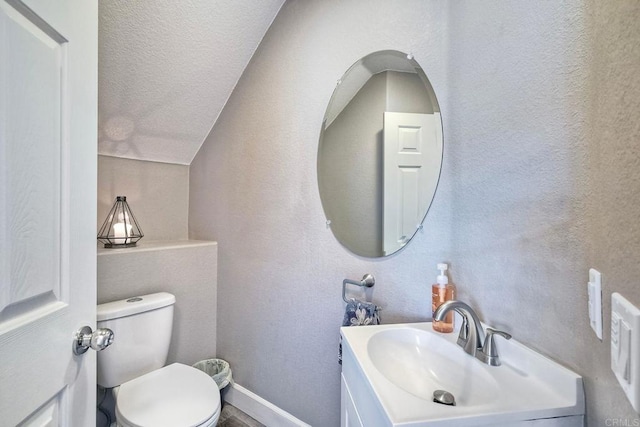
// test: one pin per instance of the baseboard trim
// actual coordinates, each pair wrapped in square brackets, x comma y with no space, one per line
[261,410]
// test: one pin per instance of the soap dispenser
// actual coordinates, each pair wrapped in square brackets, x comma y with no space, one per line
[441,292]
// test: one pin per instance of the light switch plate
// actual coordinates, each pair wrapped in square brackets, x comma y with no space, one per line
[625,347]
[595,301]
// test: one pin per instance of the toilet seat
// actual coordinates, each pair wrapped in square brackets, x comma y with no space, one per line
[174,396]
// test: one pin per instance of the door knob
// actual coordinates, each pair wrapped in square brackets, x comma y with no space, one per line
[86,338]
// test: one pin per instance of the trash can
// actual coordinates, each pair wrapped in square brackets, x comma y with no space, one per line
[217,369]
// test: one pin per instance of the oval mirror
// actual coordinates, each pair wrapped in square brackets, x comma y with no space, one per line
[380,154]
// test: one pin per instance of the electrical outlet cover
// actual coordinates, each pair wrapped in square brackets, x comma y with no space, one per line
[625,347]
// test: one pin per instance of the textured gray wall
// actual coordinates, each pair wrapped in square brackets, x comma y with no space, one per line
[157,193]
[188,270]
[611,184]
[253,189]
[540,182]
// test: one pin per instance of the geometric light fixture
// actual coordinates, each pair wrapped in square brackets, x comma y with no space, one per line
[120,229]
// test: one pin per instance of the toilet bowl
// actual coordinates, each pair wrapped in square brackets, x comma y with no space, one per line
[147,393]
[176,395]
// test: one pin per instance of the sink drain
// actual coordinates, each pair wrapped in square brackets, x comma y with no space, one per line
[443,397]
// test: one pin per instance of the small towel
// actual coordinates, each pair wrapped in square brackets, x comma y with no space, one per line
[358,313]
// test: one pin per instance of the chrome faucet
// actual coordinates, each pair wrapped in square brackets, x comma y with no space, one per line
[472,338]
[471,335]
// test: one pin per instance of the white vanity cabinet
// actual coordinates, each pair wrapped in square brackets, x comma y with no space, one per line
[390,372]
[359,407]
[349,416]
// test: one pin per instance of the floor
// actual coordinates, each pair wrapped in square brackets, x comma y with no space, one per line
[233,417]
[230,416]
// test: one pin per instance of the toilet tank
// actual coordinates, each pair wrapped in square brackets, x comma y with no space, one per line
[142,332]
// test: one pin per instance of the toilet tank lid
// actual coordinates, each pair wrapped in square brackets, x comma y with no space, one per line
[134,305]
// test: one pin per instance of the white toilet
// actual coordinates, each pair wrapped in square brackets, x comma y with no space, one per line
[147,393]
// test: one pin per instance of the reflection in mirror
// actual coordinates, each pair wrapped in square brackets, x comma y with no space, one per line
[380,154]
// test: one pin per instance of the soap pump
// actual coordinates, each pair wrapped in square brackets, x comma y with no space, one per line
[441,292]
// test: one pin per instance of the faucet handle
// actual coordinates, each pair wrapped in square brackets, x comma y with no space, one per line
[489,353]
[463,336]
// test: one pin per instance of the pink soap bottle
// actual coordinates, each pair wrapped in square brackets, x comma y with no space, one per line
[441,292]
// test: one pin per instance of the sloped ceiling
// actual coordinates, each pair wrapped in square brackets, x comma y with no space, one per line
[167,68]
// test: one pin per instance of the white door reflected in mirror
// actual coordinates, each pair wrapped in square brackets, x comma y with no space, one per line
[412,149]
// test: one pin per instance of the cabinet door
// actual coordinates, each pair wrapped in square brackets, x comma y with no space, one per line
[349,416]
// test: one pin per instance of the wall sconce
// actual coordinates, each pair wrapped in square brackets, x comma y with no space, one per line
[120,229]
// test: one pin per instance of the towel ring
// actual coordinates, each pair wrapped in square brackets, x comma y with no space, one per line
[367,281]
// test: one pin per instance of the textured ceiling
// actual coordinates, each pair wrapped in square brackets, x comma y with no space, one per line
[167,68]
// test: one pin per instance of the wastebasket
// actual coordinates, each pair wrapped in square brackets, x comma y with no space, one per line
[217,369]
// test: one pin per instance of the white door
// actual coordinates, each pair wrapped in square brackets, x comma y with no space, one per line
[412,159]
[48,131]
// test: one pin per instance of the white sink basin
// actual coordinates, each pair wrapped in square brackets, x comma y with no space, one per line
[420,362]
[391,372]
